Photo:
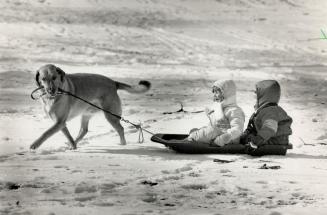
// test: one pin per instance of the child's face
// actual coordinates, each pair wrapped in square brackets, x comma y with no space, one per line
[217,94]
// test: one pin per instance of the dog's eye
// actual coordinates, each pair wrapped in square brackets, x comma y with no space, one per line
[43,79]
[54,78]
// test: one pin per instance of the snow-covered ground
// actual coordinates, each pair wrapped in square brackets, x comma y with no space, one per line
[181,47]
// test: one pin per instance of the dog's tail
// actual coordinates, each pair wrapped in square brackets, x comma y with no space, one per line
[142,87]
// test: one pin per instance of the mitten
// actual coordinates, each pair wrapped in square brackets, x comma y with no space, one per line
[256,140]
[222,140]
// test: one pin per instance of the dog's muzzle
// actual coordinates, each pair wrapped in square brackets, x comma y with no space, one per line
[52,92]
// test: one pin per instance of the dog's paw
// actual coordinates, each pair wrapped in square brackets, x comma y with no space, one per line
[71,146]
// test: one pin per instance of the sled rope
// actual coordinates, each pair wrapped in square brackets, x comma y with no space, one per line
[63,92]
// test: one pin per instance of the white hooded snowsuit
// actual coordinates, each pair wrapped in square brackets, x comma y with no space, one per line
[226,120]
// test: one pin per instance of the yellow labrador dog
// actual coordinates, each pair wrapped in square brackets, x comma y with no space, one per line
[96,89]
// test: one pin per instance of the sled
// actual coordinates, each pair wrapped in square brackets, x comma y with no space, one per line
[178,143]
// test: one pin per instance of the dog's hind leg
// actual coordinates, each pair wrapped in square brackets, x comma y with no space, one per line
[113,105]
[69,137]
[84,127]
[115,122]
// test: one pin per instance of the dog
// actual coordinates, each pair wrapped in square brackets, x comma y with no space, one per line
[97,89]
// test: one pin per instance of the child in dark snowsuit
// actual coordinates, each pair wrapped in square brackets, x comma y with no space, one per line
[269,124]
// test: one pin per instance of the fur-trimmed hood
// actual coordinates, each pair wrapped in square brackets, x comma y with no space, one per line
[228,88]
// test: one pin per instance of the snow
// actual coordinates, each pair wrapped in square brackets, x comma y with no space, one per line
[181,47]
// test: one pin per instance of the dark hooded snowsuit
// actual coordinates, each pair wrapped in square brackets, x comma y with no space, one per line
[269,124]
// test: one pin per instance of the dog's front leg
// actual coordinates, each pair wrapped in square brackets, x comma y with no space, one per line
[51,131]
[69,137]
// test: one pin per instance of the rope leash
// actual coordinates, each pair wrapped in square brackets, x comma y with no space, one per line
[63,92]
[137,126]
[34,91]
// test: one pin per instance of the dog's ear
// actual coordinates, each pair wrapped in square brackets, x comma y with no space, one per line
[61,72]
[37,76]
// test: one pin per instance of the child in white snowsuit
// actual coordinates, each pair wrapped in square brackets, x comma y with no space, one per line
[226,118]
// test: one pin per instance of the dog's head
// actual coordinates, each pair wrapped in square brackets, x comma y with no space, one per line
[51,78]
